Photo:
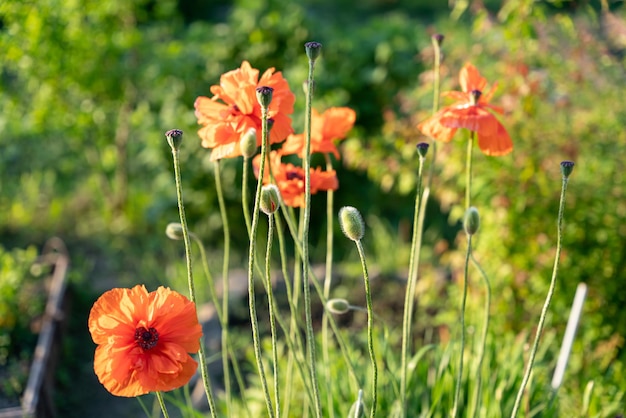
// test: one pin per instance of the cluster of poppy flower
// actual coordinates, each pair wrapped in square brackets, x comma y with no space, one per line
[144,339]
[224,123]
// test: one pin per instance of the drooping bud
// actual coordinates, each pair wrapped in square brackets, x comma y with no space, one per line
[174,138]
[174,231]
[422,149]
[313,50]
[248,144]
[358,407]
[566,168]
[338,306]
[351,223]
[270,199]
[264,95]
[471,221]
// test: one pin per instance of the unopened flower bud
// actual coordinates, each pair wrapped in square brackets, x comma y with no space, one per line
[174,138]
[358,407]
[248,144]
[422,149]
[437,39]
[174,231]
[264,95]
[270,199]
[313,50]
[338,306]
[471,221]
[566,168]
[351,223]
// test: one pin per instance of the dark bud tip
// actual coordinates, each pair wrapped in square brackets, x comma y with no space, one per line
[422,149]
[313,50]
[264,95]
[566,168]
[438,38]
[174,138]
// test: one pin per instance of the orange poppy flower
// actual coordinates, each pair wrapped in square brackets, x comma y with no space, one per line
[471,111]
[144,340]
[223,123]
[333,124]
[290,179]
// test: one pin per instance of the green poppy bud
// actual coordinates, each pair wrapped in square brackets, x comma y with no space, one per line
[248,144]
[174,231]
[270,199]
[471,221]
[338,306]
[351,223]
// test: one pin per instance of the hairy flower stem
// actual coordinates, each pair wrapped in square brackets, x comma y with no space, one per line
[370,329]
[483,340]
[468,170]
[328,277]
[251,253]
[546,305]
[270,301]
[306,165]
[409,297]
[190,283]
[244,194]
[459,376]
[225,284]
[159,397]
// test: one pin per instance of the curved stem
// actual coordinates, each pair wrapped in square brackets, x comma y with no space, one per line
[251,254]
[370,329]
[190,283]
[546,305]
[270,301]
[225,284]
[459,376]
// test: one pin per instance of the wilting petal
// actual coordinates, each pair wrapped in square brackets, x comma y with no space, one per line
[433,128]
[496,144]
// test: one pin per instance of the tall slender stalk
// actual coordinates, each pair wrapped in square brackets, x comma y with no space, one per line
[566,169]
[468,170]
[270,299]
[313,50]
[174,138]
[159,397]
[225,283]
[483,339]
[251,254]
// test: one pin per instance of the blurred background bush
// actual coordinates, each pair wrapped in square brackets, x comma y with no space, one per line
[88,88]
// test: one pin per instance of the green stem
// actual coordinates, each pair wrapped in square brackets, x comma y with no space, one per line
[190,283]
[306,165]
[159,396]
[244,194]
[251,253]
[546,305]
[409,297]
[327,282]
[483,340]
[468,170]
[270,300]
[459,376]
[370,329]
[225,284]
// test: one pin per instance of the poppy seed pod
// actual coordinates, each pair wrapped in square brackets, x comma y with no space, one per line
[351,223]
[174,231]
[471,221]
[248,144]
[264,95]
[174,138]
[437,38]
[422,149]
[566,168]
[270,199]
[338,306]
[313,50]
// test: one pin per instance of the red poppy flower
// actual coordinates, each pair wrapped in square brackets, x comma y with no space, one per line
[333,124]
[223,123]
[144,340]
[290,179]
[471,111]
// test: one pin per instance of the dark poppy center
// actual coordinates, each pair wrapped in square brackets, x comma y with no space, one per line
[475,96]
[146,338]
[294,175]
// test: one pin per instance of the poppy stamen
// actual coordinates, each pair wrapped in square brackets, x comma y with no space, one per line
[475,96]
[146,338]
[294,175]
